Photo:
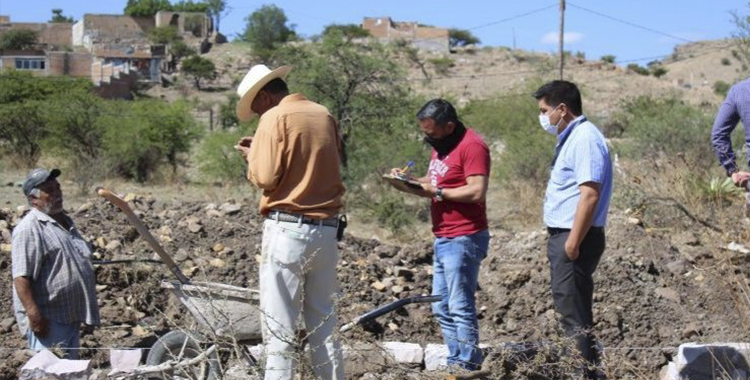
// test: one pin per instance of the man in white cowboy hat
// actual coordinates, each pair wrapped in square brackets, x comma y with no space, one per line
[294,158]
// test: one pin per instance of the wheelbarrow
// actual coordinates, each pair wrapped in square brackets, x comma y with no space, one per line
[224,313]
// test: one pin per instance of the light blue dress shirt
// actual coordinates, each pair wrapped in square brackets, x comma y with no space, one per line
[583,157]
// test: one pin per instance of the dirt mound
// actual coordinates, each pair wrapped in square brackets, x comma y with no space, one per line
[652,293]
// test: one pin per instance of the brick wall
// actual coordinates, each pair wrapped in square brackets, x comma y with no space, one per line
[76,64]
[57,34]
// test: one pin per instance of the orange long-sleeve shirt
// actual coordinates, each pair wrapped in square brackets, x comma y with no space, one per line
[295,158]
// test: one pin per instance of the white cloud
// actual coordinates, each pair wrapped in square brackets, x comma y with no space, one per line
[570,37]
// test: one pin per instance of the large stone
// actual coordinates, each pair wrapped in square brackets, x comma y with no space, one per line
[407,353]
[435,357]
[7,248]
[709,361]
[7,324]
[124,360]
[230,209]
[194,227]
[113,245]
[668,293]
[364,358]
[45,365]
[7,236]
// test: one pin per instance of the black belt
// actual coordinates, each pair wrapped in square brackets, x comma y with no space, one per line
[282,216]
[552,231]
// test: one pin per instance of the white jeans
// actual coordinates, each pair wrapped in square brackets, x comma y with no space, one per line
[298,276]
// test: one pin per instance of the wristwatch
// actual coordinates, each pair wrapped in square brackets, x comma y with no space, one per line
[730,172]
[439,194]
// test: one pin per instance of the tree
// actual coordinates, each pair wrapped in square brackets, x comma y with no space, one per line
[199,68]
[364,89]
[216,8]
[57,16]
[266,29]
[164,34]
[349,31]
[146,8]
[23,99]
[461,37]
[190,6]
[742,39]
[18,39]
[181,50]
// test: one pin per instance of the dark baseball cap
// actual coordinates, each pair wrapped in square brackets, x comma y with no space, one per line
[37,177]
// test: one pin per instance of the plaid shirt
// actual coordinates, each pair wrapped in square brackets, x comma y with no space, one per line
[58,263]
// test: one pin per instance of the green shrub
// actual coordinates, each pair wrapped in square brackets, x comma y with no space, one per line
[638,69]
[658,71]
[199,68]
[654,127]
[22,129]
[609,58]
[18,39]
[511,122]
[164,34]
[76,132]
[148,134]
[442,65]
[23,98]
[725,61]
[181,50]
[721,88]
[228,111]
[217,158]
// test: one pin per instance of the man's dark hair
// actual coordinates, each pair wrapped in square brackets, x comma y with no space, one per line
[439,110]
[561,91]
[275,87]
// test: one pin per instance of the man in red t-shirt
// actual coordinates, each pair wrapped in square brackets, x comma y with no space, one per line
[457,184]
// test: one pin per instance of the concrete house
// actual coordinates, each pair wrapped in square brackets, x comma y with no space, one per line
[421,37]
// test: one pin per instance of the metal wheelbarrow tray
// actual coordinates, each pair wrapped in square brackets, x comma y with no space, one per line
[228,311]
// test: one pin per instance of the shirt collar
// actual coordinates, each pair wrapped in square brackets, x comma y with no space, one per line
[48,219]
[569,128]
[296,97]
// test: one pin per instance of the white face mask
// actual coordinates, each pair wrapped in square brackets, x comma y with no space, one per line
[545,123]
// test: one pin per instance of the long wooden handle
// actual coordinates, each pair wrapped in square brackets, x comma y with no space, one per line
[143,230]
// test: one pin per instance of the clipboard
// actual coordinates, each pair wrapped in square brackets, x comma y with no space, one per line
[402,183]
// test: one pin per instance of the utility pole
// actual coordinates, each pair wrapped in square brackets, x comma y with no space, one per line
[514,38]
[562,37]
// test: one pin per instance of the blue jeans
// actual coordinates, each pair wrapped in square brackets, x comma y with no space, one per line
[65,336]
[456,271]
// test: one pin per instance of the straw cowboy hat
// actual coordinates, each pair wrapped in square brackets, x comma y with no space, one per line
[256,78]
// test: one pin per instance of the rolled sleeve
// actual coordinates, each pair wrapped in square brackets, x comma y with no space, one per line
[726,120]
[265,159]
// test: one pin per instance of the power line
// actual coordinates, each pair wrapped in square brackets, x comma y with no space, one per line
[629,23]
[514,17]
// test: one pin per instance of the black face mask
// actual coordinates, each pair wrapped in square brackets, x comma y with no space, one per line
[446,144]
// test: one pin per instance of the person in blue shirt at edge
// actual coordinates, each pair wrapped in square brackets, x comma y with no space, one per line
[736,107]
[575,212]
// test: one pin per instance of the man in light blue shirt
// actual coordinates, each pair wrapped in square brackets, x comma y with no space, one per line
[575,210]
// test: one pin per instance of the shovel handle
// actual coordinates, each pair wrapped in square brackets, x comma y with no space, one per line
[387,308]
[143,230]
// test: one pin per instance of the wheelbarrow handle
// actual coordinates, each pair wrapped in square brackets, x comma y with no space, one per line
[143,230]
[387,308]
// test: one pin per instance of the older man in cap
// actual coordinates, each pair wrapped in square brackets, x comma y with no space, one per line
[53,279]
[294,158]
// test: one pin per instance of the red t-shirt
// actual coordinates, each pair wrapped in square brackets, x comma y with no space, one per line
[470,157]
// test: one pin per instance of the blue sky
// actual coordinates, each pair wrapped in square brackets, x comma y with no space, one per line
[588,32]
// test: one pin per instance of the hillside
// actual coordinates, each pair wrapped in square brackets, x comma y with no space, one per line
[482,73]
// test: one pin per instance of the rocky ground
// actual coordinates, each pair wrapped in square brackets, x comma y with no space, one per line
[656,287]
